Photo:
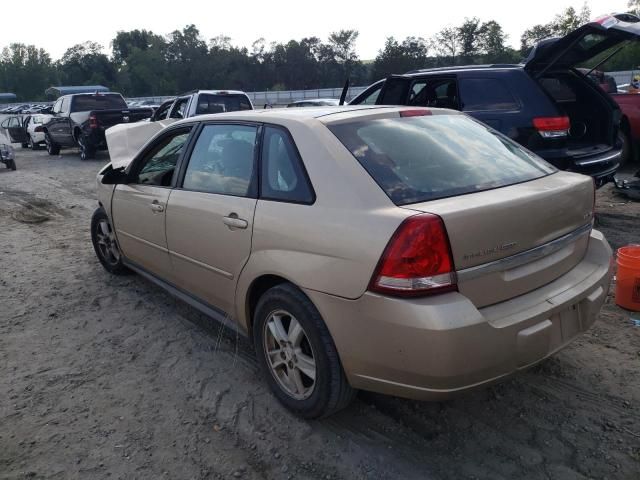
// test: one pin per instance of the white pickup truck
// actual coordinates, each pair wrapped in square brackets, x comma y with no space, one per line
[125,139]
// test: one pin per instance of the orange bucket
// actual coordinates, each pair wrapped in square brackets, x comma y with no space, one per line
[628,278]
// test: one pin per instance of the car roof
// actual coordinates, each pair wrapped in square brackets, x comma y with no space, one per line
[214,92]
[325,114]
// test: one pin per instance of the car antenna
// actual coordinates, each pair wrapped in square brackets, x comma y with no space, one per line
[345,89]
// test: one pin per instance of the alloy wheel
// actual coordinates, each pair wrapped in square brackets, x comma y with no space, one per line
[106,241]
[290,357]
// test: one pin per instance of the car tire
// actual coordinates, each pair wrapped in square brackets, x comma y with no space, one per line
[105,244]
[303,369]
[25,144]
[11,164]
[32,144]
[626,155]
[86,151]
[52,147]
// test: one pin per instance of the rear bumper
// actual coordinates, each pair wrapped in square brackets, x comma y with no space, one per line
[429,348]
[601,166]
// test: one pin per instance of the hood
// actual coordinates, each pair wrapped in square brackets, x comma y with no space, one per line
[583,43]
[125,140]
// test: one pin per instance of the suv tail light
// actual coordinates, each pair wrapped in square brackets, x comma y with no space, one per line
[552,127]
[417,260]
[39,128]
[93,121]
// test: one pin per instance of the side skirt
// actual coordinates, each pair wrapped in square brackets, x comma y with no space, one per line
[209,310]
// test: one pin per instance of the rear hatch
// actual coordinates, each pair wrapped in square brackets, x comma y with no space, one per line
[584,142]
[514,223]
[508,241]
[583,43]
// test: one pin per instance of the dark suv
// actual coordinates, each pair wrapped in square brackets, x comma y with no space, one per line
[544,104]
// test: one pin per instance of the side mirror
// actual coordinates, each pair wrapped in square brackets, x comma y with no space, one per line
[114,176]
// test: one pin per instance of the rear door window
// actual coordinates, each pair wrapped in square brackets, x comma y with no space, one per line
[486,94]
[223,161]
[415,159]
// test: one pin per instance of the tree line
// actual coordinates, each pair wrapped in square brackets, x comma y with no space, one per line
[143,63]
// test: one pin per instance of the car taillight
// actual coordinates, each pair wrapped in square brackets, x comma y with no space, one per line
[552,127]
[93,121]
[39,128]
[417,260]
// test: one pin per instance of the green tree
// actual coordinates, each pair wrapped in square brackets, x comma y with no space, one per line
[85,64]
[398,57]
[562,24]
[26,71]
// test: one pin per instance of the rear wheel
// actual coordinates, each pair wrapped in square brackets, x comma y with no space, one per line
[87,152]
[627,150]
[32,144]
[105,244]
[52,147]
[297,355]
[11,164]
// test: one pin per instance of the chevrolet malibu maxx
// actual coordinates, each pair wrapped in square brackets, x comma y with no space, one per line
[409,251]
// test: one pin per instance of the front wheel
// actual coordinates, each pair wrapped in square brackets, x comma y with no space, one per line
[105,244]
[11,164]
[297,355]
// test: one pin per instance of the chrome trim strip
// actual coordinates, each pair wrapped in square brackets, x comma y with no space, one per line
[527,256]
[608,158]
[141,240]
[202,265]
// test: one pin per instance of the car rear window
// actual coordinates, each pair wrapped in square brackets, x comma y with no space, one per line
[85,103]
[421,158]
[208,103]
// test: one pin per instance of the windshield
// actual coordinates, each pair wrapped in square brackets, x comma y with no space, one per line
[85,103]
[210,103]
[415,159]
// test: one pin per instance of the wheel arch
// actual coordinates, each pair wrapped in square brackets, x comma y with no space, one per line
[256,289]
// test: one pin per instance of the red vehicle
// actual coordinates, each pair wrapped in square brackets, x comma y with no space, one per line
[629,104]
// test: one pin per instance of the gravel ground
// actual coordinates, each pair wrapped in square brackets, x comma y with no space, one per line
[110,377]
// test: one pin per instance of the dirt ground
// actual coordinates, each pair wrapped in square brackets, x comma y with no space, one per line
[110,377]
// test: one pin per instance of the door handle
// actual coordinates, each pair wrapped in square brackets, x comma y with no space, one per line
[157,207]
[232,221]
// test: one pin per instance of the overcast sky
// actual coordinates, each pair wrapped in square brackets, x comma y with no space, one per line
[36,21]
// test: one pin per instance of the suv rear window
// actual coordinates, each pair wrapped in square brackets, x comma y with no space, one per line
[486,94]
[85,103]
[415,159]
[208,103]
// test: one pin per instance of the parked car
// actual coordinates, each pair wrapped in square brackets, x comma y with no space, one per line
[27,131]
[81,120]
[7,156]
[403,250]
[315,102]
[543,104]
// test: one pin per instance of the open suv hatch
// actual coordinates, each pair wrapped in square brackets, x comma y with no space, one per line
[545,103]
